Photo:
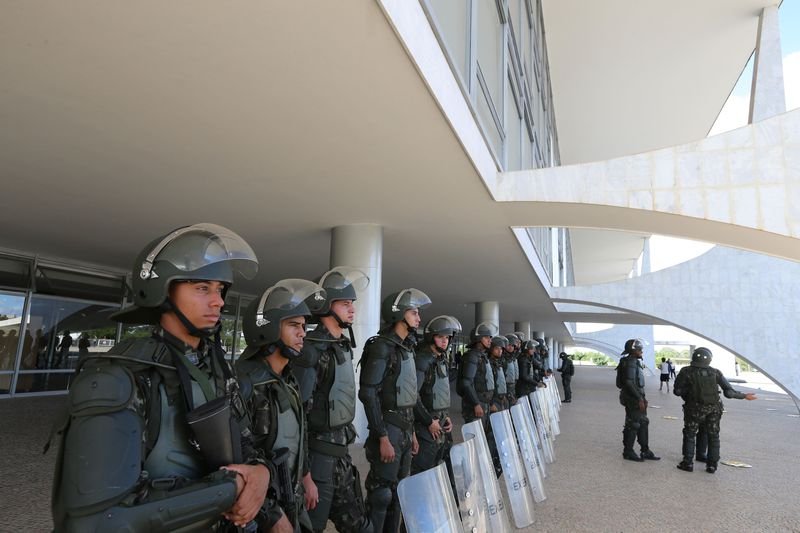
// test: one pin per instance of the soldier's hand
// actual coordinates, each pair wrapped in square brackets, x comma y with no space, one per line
[250,495]
[435,429]
[282,526]
[312,494]
[448,425]
[478,410]
[643,405]
[414,444]
[750,396]
[492,408]
[386,450]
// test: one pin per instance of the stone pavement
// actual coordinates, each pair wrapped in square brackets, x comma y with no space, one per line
[589,487]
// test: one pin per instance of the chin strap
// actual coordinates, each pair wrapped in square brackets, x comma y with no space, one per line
[287,351]
[194,331]
[344,325]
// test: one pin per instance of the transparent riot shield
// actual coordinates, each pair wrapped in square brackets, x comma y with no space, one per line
[495,506]
[541,427]
[426,500]
[514,473]
[547,412]
[470,495]
[534,435]
[527,450]
[555,407]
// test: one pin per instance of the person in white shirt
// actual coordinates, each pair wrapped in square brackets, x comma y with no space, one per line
[664,374]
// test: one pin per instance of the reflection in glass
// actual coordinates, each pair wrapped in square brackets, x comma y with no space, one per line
[11,309]
[59,334]
[5,383]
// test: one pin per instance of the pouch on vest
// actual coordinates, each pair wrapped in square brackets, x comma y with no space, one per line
[704,387]
[217,432]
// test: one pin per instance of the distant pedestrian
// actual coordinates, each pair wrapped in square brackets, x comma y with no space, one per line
[664,374]
[736,367]
[671,368]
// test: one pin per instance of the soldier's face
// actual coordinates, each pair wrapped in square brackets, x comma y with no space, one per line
[200,301]
[486,342]
[412,317]
[293,331]
[496,351]
[345,310]
[441,342]
[510,348]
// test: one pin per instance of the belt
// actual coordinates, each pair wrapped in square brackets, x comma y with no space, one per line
[396,419]
[327,448]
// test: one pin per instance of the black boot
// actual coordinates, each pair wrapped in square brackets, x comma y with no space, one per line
[711,467]
[628,438]
[648,454]
[686,467]
[631,455]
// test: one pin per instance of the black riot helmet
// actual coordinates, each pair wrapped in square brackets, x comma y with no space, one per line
[261,323]
[201,252]
[529,345]
[701,357]
[441,325]
[341,283]
[520,335]
[484,329]
[396,304]
[512,338]
[499,340]
[631,345]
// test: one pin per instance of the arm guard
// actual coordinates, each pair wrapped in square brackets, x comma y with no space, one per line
[423,363]
[469,369]
[629,385]
[374,363]
[305,372]
[682,384]
[727,389]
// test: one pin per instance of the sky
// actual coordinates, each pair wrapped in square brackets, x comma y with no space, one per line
[734,113]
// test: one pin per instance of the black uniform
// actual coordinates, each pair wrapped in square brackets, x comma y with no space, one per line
[278,425]
[434,403]
[475,384]
[702,408]
[388,390]
[129,405]
[327,383]
[567,371]
[636,421]
[527,381]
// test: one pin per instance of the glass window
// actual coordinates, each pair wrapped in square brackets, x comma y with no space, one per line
[12,306]
[513,123]
[488,123]
[490,49]
[62,282]
[15,272]
[452,23]
[61,333]
[5,382]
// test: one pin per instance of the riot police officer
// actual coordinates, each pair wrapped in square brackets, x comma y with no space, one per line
[388,390]
[475,382]
[698,384]
[632,396]
[497,348]
[527,381]
[567,370]
[328,389]
[129,459]
[432,422]
[511,366]
[274,326]
[540,364]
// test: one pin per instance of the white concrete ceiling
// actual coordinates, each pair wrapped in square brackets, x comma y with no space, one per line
[629,76]
[277,119]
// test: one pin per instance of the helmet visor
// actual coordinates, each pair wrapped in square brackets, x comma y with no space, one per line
[341,277]
[289,294]
[412,298]
[193,247]
[486,329]
[443,325]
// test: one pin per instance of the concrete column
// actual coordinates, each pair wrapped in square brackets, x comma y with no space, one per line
[551,347]
[767,97]
[361,246]
[524,327]
[488,312]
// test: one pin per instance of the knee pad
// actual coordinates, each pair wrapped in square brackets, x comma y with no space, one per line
[380,497]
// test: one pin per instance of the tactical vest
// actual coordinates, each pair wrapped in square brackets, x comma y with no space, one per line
[287,431]
[406,384]
[441,387]
[500,381]
[172,454]
[336,407]
[704,386]
[512,371]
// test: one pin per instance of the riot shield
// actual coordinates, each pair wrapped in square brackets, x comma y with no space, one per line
[534,435]
[527,449]
[541,427]
[426,500]
[469,486]
[495,506]
[514,473]
[548,413]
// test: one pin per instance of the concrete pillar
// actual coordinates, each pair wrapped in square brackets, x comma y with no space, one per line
[537,334]
[767,97]
[551,347]
[361,246]
[524,327]
[488,312]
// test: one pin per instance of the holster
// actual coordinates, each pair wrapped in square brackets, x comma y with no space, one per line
[217,432]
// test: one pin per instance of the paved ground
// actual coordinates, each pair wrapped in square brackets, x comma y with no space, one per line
[589,488]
